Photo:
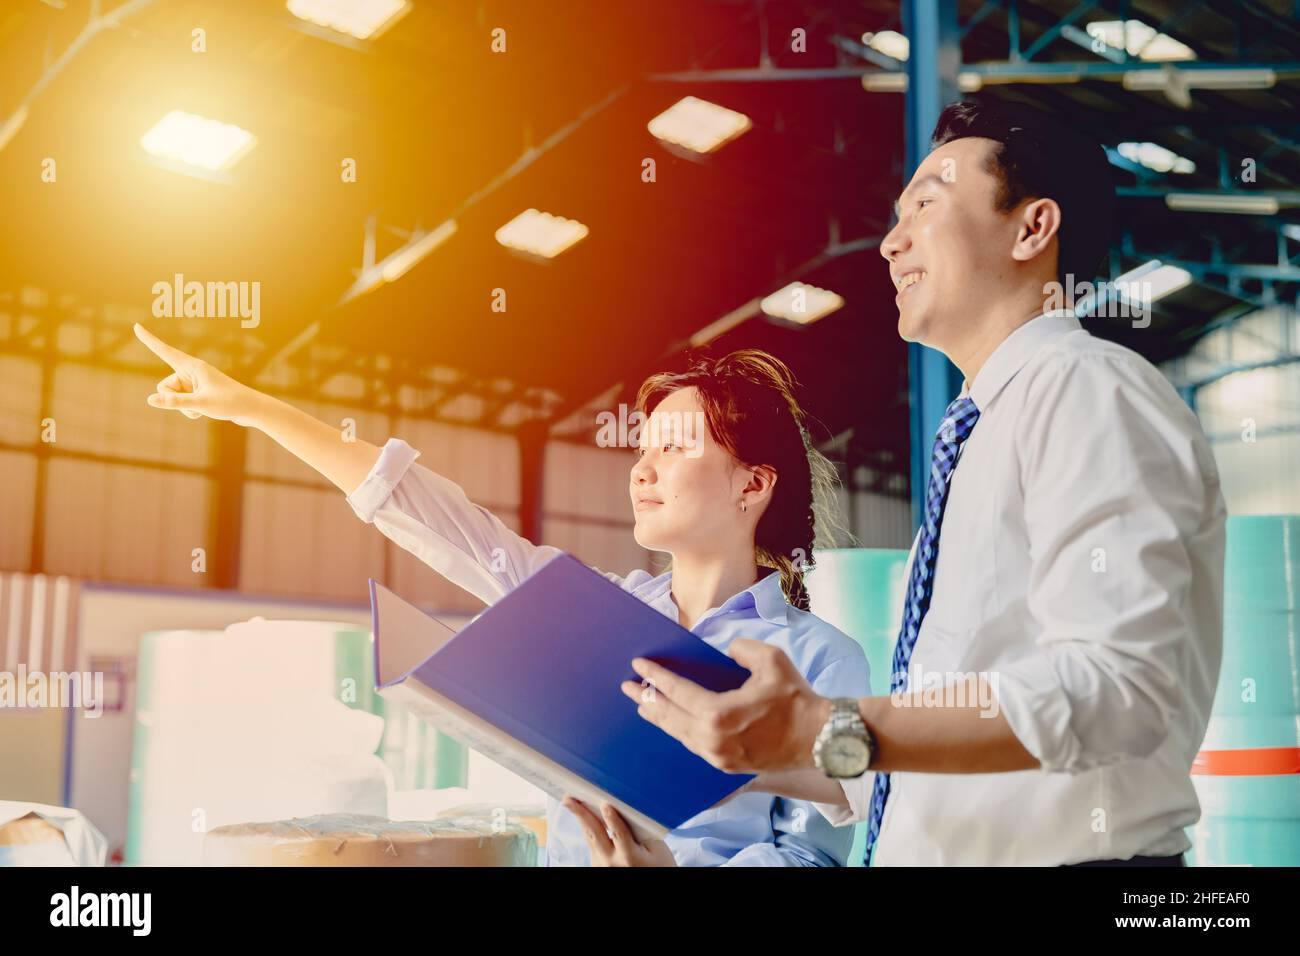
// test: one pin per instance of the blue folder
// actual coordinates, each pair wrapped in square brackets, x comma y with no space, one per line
[543,665]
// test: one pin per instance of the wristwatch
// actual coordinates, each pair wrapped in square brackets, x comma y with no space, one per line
[845,747]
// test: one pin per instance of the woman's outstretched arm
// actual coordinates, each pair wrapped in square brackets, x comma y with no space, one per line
[198,389]
[423,512]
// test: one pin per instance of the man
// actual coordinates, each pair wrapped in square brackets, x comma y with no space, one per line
[1061,642]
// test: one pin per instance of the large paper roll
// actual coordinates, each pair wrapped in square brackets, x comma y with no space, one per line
[354,840]
[1247,774]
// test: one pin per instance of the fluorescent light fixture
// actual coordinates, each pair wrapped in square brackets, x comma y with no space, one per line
[197,142]
[1163,281]
[540,234]
[361,19]
[698,125]
[399,263]
[1230,79]
[1154,156]
[802,303]
[1200,79]
[885,82]
[889,43]
[1150,281]
[1244,203]
[895,81]
[1140,40]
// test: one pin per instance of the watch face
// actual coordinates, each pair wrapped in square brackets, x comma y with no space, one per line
[845,756]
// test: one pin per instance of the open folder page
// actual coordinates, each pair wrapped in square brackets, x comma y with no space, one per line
[533,683]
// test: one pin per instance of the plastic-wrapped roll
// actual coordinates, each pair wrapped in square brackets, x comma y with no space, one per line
[355,840]
[1247,774]
[250,723]
[1262,567]
[256,723]
[860,591]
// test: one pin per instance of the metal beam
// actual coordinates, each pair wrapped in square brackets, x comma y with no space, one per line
[759,74]
[932,381]
[531,437]
[1071,71]
[1046,39]
[226,515]
[1232,369]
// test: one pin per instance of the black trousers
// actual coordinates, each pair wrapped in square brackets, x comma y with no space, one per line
[1137,861]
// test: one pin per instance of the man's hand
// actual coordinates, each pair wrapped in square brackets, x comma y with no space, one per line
[611,840]
[768,723]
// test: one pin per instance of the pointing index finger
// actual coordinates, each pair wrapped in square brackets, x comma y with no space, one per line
[172,356]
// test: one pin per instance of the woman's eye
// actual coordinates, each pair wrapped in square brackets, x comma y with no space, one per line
[922,203]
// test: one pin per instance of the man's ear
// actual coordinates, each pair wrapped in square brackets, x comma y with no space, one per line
[1039,222]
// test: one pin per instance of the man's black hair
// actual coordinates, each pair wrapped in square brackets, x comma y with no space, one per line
[1038,157]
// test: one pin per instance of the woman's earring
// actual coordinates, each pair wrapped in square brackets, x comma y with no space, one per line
[743,506]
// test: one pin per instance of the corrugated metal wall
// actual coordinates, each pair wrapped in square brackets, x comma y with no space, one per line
[586,509]
[124,497]
[1252,418]
[128,494]
[129,491]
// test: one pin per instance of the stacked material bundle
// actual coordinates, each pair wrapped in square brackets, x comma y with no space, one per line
[37,834]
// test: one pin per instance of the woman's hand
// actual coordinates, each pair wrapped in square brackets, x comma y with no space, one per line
[611,840]
[195,388]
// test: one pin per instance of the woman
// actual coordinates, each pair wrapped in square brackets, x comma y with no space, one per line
[728,501]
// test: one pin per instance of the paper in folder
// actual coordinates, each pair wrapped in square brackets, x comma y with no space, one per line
[533,684]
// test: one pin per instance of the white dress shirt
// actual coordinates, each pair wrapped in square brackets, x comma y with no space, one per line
[430,516]
[1080,568]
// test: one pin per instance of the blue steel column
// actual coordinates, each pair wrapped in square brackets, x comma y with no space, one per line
[932,65]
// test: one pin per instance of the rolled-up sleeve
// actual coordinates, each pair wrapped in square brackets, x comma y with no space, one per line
[857,791]
[430,516]
[394,459]
[1114,489]
[814,834]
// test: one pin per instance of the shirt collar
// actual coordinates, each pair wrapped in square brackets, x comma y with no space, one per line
[765,596]
[768,598]
[1014,351]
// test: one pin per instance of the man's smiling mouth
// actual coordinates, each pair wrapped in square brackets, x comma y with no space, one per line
[909,281]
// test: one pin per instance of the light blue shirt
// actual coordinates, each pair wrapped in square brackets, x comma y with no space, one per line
[430,516]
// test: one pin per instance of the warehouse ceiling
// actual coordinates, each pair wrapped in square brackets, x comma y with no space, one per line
[443,129]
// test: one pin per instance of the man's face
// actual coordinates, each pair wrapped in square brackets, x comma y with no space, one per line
[950,248]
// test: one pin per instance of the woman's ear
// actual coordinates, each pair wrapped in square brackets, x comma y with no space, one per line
[762,480]
[1039,222]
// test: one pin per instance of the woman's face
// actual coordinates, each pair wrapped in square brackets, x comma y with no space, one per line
[685,487]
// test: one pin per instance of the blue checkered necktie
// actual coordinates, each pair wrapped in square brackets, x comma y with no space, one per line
[957,423]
